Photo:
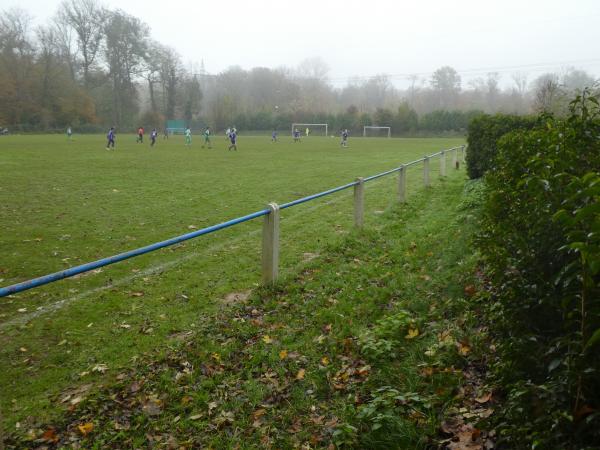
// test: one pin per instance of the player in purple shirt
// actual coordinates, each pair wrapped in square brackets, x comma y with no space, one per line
[296,135]
[274,136]
[232,139]
[344,142]
[153,137]
[111,138]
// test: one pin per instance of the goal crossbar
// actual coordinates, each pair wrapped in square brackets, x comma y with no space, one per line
[294,125]
[389,130]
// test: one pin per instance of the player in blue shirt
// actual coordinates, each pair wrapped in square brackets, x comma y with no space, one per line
[111,138]
[274,136]
[153,137]
[296,135]
[344,142]
[232,139]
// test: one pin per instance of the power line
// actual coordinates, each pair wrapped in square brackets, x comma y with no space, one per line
[474,71]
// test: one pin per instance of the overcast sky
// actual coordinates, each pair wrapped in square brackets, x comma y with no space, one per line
[364,38]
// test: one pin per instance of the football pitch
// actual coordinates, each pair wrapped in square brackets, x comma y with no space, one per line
[65,203]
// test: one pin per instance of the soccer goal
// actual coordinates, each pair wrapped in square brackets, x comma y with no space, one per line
[374,133]
[303,126]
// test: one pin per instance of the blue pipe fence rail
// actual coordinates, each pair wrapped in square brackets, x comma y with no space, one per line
[270,248]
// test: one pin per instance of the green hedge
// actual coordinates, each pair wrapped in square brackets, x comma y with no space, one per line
[540,241]
[483,134]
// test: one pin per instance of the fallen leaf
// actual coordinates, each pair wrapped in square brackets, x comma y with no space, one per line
[325,360]
[463,348]
[300,374]
[259,413]
[283,354]
[412,333]
[50,436]
[152,407]
[85,428]
[267,339]
[63,342]
[136,294]
[484,398]
[470,290]
[427,371]
[327,329]
[100,368]
[195,416]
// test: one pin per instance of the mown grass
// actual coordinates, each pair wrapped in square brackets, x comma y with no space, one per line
[155,199]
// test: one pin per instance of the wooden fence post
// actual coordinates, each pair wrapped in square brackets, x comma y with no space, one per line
[443,163]
[426,171]
[359,202]
[455,158]
[402,184]
[270,245]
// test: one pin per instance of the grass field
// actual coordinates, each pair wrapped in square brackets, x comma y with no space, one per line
[65,203]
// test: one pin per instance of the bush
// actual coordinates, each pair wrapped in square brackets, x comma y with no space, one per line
[484,131]
[541,243]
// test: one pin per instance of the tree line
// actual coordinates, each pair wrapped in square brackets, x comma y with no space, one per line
[90,67]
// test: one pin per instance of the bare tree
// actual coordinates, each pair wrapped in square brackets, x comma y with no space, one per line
[576,80]
[446,82]
[65,39]
[16,64]
[493,91]
[520,80]
[86,17]
[125,53]
[548,94]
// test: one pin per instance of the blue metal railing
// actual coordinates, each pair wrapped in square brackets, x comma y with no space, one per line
[72,271]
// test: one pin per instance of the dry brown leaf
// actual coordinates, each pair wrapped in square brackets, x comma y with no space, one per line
[300,374]
[259,413]
[283,354]
[470,290]
[484,398]
[50,436]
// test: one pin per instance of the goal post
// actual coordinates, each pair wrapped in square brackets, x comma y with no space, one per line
[367,127]
[307,125]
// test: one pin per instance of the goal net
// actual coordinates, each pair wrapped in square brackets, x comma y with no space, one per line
[314,129]
[371,131]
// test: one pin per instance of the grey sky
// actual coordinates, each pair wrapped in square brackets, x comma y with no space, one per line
[364,38]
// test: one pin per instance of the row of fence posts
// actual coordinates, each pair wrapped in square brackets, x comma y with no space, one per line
[270,243]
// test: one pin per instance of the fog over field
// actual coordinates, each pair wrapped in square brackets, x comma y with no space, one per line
[358,39]
[269,63]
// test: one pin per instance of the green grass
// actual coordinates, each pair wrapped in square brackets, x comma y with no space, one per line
[67,203]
